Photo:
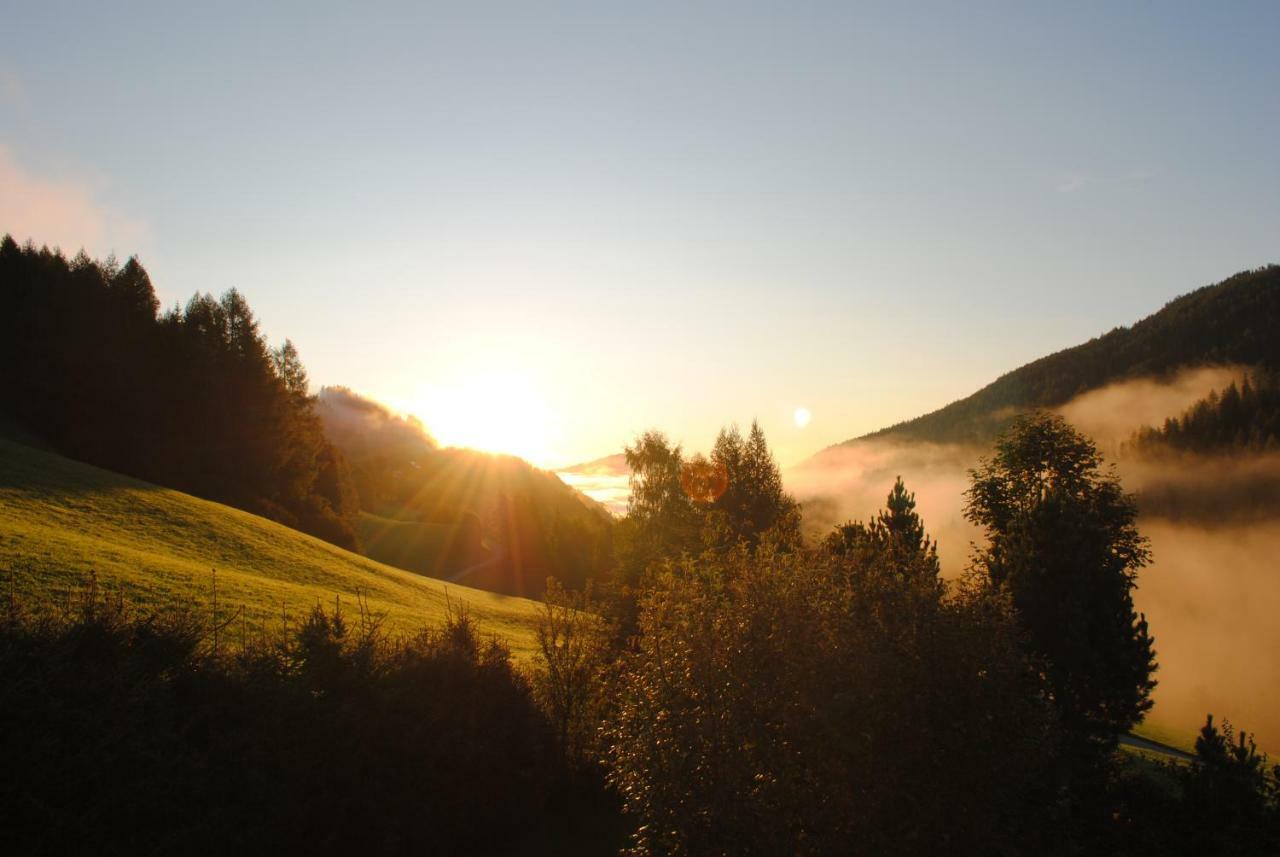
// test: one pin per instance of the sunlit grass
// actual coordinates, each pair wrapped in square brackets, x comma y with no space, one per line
[62,521]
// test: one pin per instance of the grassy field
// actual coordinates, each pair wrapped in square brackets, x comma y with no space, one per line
[411,545]
[61,521]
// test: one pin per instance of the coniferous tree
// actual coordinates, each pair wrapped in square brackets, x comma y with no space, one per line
[193,399]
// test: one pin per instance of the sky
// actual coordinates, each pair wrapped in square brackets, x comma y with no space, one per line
[544,228]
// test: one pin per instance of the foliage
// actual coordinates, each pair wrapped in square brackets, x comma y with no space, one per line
[571,676]
[1062,541]
[824,703]
[192,399]
[1231,802]
[897,533]
[682,506]
[1232,322]
[753,502]
[667,518]
[135,734]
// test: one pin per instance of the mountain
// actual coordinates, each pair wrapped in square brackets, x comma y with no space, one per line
[491,521]
[1236,321]
[62,521]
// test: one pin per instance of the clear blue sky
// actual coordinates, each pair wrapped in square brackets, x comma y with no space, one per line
[614,216]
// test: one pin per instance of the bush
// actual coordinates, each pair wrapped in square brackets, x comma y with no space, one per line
[137,734]
[822,704]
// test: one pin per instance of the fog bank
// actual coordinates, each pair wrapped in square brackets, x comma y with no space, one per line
[1212,593]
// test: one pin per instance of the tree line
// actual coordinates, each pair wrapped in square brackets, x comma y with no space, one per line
[191,398]
[1244,417]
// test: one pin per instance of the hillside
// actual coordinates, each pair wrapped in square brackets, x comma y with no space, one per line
[493,521]
[1236,321]
[60,520]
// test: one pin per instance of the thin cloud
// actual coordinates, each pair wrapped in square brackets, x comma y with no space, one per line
[61,213]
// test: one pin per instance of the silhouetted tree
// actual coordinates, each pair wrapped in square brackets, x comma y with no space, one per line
[192,399]
[897,532]
[1062,541]
[1231,796]
[754,501]
[806,703]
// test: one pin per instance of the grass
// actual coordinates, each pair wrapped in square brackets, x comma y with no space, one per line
[411,545]
[1165,734]
[62,522]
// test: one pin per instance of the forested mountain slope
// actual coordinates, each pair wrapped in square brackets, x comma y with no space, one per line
[1236,321]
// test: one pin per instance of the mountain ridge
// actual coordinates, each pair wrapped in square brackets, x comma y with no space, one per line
[1235,321]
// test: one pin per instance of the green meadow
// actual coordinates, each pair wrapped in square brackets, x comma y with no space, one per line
[63,522]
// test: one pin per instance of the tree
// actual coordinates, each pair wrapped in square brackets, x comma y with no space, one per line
[753,502]
[193,399]
[132,288]
[1062,541]
[804,703]
[569,681]
[897,532]
[664,516]
[1231,795]
[290,370]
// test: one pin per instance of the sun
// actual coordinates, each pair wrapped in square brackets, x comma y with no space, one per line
[802,416]
[495,410]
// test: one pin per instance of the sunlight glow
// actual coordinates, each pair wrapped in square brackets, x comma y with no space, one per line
[494,410]
[802,417]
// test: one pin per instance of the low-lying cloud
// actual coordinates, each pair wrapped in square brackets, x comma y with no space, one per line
[1212,593]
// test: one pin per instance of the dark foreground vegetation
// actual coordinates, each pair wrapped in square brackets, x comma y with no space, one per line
[126,733]
[738,692]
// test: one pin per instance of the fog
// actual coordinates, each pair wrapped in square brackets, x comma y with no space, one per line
[1212,592]
[1110,415]
[363,426]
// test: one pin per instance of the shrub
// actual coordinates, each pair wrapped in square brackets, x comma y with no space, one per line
[820,704]
[123,733]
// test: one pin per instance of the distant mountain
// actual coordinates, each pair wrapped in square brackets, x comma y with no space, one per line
[1236,321]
